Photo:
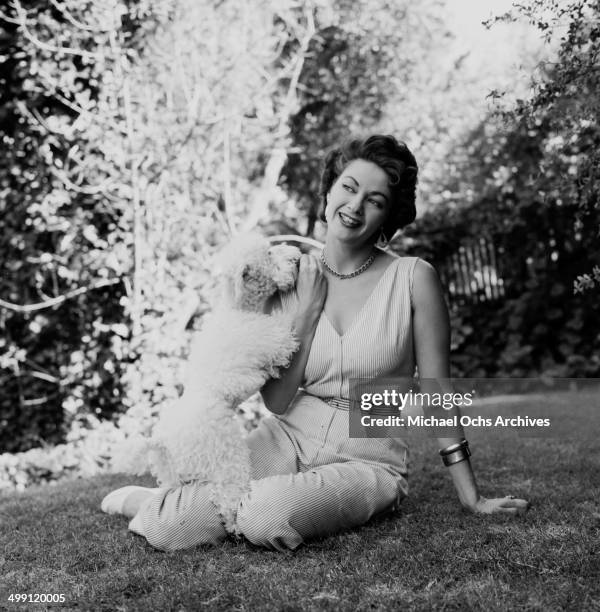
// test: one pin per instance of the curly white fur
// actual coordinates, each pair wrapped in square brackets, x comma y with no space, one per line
[237,351]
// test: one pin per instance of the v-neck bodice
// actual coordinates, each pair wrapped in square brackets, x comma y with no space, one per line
[377,289]
[377,343]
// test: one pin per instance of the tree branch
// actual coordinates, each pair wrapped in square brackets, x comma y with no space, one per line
[278,156]
[227,178]
[107,185]
[22,13]
[73,21]
[57,300]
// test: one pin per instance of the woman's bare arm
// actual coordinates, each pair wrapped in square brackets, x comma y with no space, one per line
[432,350]
[311,288]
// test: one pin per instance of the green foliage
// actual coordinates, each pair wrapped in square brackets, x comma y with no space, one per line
[530,185]
[66,241]
[564,104]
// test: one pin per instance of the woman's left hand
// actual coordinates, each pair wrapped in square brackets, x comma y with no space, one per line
[501,505]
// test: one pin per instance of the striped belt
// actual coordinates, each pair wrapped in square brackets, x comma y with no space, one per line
[338,402]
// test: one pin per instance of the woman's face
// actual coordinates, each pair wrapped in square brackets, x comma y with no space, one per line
[358,203]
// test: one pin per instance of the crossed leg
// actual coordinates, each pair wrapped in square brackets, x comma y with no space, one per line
[284,506]
[283,511]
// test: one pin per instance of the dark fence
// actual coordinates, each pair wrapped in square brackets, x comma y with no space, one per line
[472,272]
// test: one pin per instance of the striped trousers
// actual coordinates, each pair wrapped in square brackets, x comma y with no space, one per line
[309,479]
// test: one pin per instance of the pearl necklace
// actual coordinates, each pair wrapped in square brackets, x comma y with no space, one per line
[356,272]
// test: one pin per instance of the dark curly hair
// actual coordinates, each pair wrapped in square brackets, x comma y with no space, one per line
[394,158]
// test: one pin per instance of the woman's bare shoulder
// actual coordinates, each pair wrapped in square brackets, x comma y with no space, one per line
[421,270]
[426,283]
[424,269]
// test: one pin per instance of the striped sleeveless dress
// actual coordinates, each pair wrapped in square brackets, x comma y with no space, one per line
[378,342]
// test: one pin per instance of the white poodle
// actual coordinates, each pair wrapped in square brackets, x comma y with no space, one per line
[238,349]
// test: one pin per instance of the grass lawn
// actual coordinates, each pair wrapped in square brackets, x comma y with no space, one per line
[430,555]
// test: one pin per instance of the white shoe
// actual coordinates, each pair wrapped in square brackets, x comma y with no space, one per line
[135,525]
[113,503]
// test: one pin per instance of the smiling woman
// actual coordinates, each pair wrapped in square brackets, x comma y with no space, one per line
[358,313]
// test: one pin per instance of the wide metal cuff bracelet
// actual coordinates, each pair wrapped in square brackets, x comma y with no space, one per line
[460,454]
[454,447]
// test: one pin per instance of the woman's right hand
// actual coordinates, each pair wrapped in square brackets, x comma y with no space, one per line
[311,288]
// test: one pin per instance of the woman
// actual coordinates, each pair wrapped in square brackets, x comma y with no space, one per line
[359,313]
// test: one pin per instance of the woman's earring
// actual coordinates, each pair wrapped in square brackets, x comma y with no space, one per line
[382,242]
